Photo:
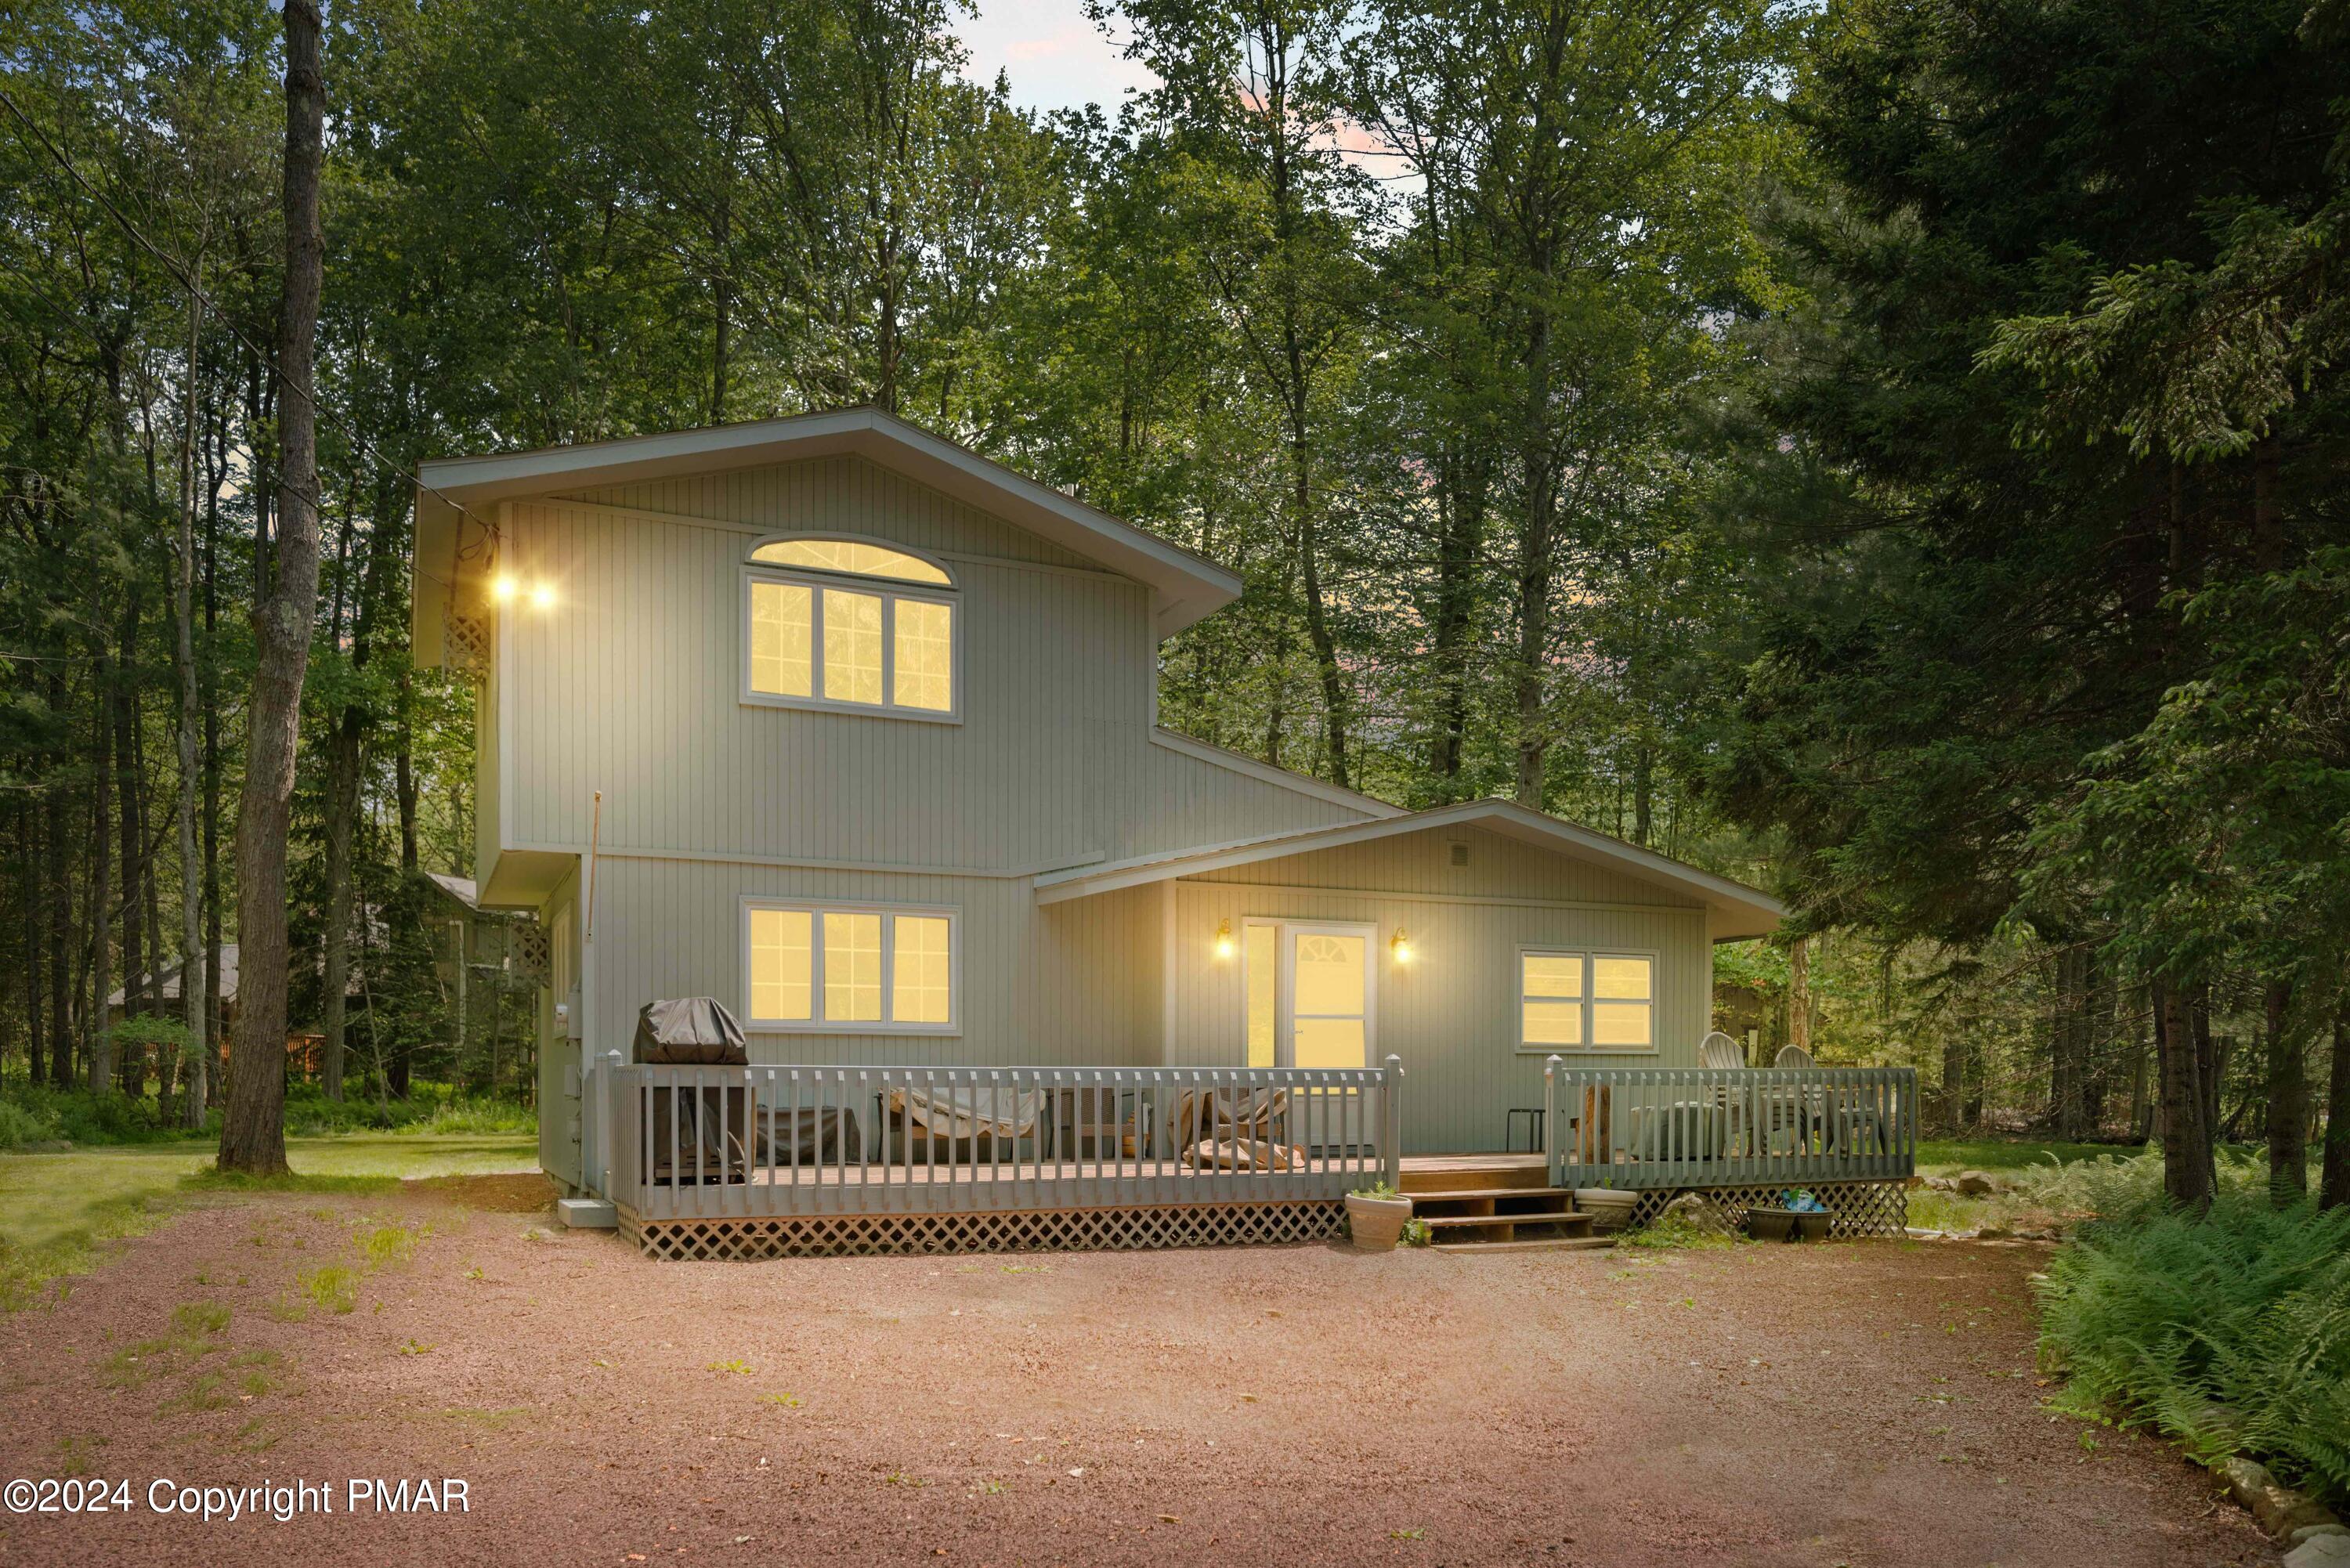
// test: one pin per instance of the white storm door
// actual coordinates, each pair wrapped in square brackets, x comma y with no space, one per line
[1327,1017]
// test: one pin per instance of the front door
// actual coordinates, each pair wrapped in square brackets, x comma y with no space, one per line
[1309,994]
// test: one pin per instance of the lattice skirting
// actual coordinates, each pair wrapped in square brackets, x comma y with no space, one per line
[1859,1207]
[1018,1231]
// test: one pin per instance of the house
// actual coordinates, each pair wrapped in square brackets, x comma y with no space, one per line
[854,730]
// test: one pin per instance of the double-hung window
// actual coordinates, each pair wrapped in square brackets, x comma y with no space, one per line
[859,968]
[849,626]
[1583,999]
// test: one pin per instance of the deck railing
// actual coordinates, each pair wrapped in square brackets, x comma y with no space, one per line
[695,1142]
[1650,1127]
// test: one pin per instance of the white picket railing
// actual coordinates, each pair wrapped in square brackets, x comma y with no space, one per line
[1640,1128]
[698,1142]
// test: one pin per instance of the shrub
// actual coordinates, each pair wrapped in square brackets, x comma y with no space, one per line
[23,1125]
[2231,1333]
[40,1113]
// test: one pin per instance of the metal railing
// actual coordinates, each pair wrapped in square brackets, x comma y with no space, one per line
[696,1142]
[1650,1127]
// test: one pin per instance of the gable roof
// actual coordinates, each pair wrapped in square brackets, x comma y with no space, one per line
[1734,909]
[1184,588]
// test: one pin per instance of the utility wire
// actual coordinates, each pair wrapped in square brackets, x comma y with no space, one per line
[179,273]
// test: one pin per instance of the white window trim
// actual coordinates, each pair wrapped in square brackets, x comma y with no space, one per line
[1543,950]
[1285,970]
[816,909]
[889,590]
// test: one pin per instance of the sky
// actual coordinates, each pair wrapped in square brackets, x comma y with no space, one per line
[1055,56]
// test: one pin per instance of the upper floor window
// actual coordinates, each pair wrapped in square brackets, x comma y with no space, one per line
[849,625]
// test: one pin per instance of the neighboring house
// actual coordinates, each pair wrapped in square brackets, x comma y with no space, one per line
[853,730]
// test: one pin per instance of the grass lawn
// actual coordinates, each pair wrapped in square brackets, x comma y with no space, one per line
[1949,1155]
[55,1207]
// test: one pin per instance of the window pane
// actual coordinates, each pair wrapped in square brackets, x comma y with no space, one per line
[1553,1023]
[1620,1024]
[780,622]
[1258,950]
[1330,1042]
[925,634]
[852,969]
[849,555]
[1624,979]
[1329,978]
[779,963]
[852,646]
[922,969]
[1553,974]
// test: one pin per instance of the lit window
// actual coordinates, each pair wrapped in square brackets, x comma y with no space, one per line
[1586,1001]
[863,970]
[783,623]
[925,651]
[783,964]
[851,556]
[921,978]
[819,644]
[852,646]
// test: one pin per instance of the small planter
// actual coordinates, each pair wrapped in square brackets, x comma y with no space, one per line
[1813,1227]
[1771,1224]
[1610,1209]
[1376,1224]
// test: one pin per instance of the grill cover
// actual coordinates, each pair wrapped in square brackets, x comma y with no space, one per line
[691,1029]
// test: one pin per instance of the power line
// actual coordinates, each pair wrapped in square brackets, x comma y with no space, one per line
[179,273]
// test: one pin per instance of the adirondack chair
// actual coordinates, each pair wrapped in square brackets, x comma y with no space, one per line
[1718,1052]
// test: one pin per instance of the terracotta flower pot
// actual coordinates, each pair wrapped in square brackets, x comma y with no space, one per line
[1376,1224]
[1610,1209]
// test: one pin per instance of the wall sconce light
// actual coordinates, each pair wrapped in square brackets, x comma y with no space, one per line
[1224,939]
[502,588]
[1400,945]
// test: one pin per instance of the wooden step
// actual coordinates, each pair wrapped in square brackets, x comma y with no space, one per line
[1487,1194]
[1454,1229]
[1540,1245]
[1465,1172]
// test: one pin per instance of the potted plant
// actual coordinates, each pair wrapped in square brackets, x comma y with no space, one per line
[1376,1216]
[1610,1209]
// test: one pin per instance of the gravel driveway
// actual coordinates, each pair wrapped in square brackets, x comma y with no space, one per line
[1868,1404]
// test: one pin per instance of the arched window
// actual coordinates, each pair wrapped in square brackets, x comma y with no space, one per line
[849,625]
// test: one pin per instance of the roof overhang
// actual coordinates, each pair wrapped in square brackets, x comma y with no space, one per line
[456,497]
[1733,910]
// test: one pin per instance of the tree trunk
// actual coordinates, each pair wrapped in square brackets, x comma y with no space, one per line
[1799,993]
[2187,1177]
[2288,1101]
[403,771]
[2334,1181]
[57,900]
[253,1135]
[101,980]
[342,806]
[193,969]
[215,461]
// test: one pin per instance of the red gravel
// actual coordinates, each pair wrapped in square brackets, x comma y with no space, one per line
[1860,1404]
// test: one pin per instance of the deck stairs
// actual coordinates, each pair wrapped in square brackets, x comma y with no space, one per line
[1495,1203]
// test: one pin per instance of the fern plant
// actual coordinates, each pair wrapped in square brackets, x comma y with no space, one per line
[2231,1333]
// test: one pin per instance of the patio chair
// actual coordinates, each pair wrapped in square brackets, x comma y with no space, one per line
[1804,1110]
[952,1115]
[1225,1114]
[1718,1053]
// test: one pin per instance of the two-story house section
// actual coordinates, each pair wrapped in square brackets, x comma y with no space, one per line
[852,729]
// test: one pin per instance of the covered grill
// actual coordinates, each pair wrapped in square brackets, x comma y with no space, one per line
[697,1135]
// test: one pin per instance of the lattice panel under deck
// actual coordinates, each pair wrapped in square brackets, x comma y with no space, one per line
[1047,1231]
[1859,1207]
